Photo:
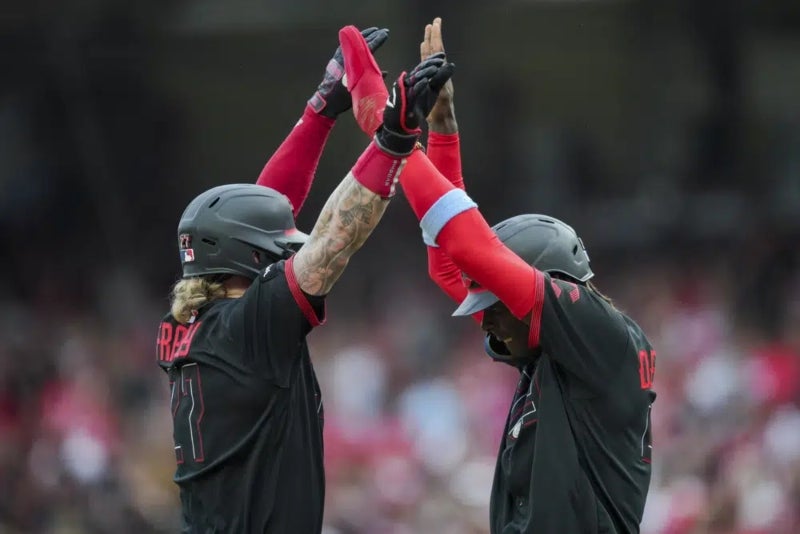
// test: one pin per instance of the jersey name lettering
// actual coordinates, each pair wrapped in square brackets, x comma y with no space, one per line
[174,340]
[647,368]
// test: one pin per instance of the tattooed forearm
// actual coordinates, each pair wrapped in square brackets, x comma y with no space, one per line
[348,218]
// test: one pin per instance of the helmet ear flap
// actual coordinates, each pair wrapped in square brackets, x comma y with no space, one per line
[497,351]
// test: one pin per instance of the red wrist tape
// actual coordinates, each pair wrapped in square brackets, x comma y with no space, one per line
[378,171]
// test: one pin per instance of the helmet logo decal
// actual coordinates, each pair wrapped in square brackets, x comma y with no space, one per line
[188,255]
[185,241]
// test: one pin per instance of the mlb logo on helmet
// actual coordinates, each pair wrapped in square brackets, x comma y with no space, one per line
[185,244]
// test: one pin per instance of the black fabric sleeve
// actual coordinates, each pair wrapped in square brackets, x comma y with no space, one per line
[581,331]
[274,316]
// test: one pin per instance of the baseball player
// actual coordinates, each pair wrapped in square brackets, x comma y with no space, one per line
[575,455]
[245,402]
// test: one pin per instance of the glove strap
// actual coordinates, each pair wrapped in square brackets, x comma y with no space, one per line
[378,171]
[396,144]
[317,103]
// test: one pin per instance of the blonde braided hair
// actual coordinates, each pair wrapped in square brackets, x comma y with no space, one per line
[190,294]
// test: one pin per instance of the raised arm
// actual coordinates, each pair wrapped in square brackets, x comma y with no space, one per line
[351,213]
[442,118]
[291,168]
[358,203]
[451,220]
[444,151]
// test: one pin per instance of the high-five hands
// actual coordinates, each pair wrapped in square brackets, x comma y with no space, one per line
[411,99]
[394,120]
[442,117]
[332,97]
[364,80]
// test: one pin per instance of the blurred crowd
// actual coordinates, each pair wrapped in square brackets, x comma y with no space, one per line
[413,408]
[666,132]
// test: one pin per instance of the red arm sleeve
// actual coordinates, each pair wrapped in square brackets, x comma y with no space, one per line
[444,151]
[291,168]
[469,241]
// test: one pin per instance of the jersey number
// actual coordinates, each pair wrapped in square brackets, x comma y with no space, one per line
[647,368]
[187,413]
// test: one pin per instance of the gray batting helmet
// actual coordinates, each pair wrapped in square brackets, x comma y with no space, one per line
[236,229]
[543,242]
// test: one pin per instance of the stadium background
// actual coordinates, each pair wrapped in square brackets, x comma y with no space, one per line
[667,133]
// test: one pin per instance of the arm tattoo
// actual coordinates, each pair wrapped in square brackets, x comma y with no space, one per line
[345,223]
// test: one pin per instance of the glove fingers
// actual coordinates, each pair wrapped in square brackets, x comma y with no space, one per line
[333,96]
[376,39]
[357,57]
[440,78]
[437,58]
[423,73]
[364,79]
[430,62]
[420,87]
[426,69]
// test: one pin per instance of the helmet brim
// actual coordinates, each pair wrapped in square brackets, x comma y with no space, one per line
[476,300]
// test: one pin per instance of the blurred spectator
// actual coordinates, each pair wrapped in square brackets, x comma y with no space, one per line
[667,132]
[86,441]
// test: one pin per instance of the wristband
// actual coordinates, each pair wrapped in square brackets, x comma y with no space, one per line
[396,144]
[378,171]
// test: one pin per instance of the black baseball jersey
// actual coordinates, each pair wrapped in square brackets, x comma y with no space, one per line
[247,412]
[575,455]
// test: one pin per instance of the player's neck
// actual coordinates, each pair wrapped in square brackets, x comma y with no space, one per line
[235,286]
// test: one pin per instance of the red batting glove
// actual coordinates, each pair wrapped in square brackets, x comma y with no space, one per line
[364,80]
